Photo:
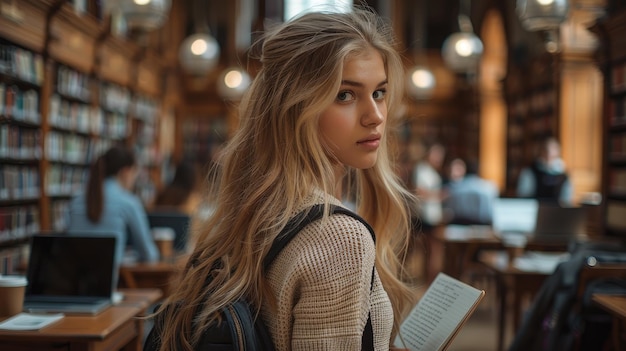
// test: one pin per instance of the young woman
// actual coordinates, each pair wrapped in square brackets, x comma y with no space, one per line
[321,105]
[108,205]
[181,194]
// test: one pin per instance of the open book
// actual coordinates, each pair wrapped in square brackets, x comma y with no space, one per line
[439,315]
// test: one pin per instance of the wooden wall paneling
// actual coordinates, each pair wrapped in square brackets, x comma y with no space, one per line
[73,38]
[24,22]
[114,60]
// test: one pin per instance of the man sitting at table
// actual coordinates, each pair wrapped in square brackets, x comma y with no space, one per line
[470,198]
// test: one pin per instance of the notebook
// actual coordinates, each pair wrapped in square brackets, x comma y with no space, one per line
[514,215]
[559,224]
[70,274]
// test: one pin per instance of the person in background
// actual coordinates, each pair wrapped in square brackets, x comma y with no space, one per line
[546,178]
[470,198]
[321,105]
[107,206]
[428,184]
[181,193]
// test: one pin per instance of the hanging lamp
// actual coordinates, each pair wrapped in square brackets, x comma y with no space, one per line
[462,50]
[140,15]
[199,53]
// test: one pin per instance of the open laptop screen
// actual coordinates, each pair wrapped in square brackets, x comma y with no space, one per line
[66,266]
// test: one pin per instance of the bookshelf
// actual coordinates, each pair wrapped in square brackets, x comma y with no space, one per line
[612,62]
[68,90]
[532,100]
[22,89]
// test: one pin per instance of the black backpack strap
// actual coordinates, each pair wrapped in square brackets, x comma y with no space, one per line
[295,225]
[301,220]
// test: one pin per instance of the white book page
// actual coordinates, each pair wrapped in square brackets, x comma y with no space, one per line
[439,314]
[29,321]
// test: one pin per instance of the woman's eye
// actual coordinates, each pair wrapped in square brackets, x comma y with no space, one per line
[345,96]
[379,94]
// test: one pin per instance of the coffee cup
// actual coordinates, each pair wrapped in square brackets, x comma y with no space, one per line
[164,239]
[12,288]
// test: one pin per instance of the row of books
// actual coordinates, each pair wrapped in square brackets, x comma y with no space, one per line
[19,104]
[19,182]
[617,147]
[19,143]
[73,148]
[145,108]
[72,83]
[21,63]
[58,211]
[617,111]
[618,78]
[12,260]
[18,222]
[617,181]
[114,97]
[83,118]
[64,180]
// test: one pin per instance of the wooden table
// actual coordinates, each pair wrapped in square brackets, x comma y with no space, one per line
[151,275]
[616,305]
[115,328]
[514,281]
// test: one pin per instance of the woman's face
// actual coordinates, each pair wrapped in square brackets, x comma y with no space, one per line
[354,124]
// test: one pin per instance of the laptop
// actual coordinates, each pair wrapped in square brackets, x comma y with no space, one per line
[70,274]
[514,215]
[556,224]
[179,222]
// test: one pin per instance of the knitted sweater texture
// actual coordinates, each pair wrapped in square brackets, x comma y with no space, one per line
[322,280]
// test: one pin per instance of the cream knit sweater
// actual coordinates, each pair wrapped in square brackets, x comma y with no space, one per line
[322,280]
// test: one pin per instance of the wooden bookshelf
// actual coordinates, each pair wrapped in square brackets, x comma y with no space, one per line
[69,89]
[612,62]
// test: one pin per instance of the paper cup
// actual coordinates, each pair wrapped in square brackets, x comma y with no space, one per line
[12,288]
[164,239]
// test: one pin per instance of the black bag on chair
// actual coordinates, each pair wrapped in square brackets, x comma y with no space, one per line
[239,330]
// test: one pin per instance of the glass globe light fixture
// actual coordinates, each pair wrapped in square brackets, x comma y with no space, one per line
[199,53]
[421,82]
[462,51]
[233,83]
[143,15]
[539,15]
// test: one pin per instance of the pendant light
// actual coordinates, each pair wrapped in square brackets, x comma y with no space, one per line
[537,15]
[462,50]
[420,80]
[199,53]
[140,15]
[545,16]
[233,83]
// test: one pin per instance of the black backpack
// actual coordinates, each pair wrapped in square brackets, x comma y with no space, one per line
[241,330]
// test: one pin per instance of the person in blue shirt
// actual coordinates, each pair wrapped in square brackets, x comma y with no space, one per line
[108,207]
[470,198]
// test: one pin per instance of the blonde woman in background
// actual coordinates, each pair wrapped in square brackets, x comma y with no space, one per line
[321,105]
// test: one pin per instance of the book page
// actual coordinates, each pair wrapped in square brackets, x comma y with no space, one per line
[439,315]
[28,321]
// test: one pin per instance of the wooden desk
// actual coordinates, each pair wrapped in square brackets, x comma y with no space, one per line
[150,275]
[115,328]
[461,244]
[511,280]
[616,305]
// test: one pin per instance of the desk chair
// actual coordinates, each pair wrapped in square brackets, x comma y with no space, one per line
[591,276]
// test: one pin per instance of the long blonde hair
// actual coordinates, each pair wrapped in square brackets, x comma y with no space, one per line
[276,160]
